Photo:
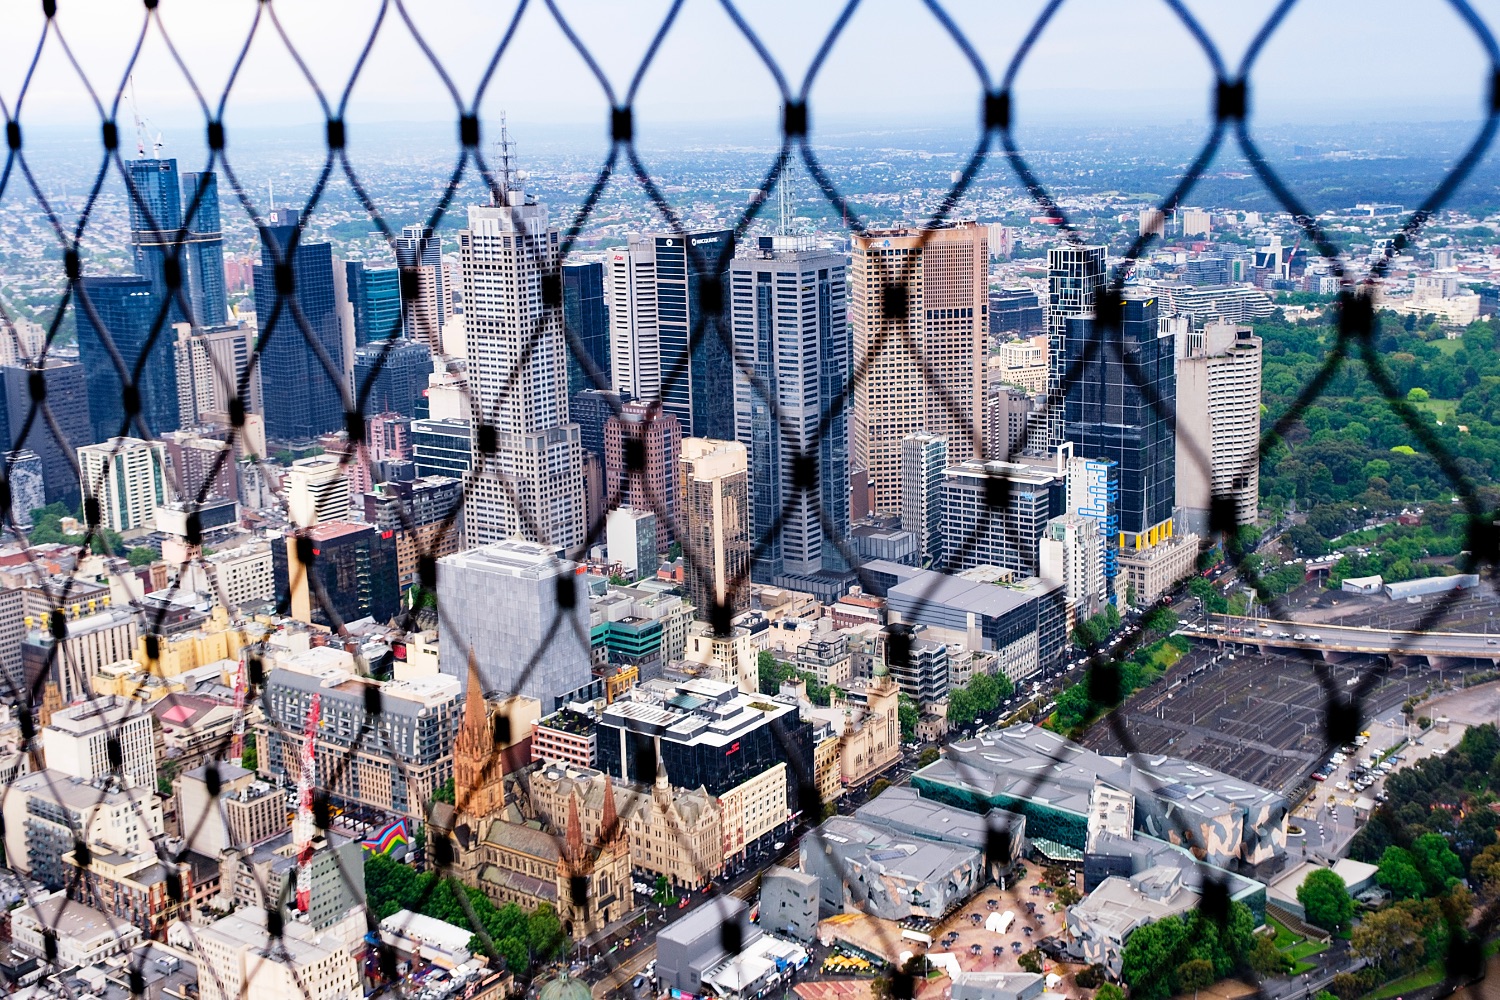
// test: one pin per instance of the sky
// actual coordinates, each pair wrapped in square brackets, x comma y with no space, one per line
[894,65]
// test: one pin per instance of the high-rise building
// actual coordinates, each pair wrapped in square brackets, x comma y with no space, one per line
[212,363]
[441,447]
[1195,222]
[1075,274]
[657,311]
[919,312]
[528,462]
[160,231]
[423,516]
[1218,423]
[643,433]
[519,608]
[317,490]
[977,531]
[128,478]
[790,320]
[127,308]
[586,316]
[375,299]
[68,400]
[77,741]
[631,538]
[28,484]
[204,267]
[590,409]
[1120,409]
[715,497]
[202,465]
[1094,493]
[390,376]
[301,397]
[923,459]
[1016,312]
[1006,410]
[425,306]
[1071,552]
[352,574]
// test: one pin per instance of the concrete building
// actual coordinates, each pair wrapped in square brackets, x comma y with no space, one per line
[414,731]
[633,540]
[440,943]
[251,965]
[1195,222]
[918,301]
[1149,573]
[923,459]
[503,602]
[641,449]
[48,813]
[980,531]
[1218,424]
[998,985]
[93,642]
[566,737]
[80,935]
[1006,411]
[1023,363]
[202,464]
[527,455]
[127,477]
[244,811]
[353,573]
[689,948]
[901,809]
[212,363]
[1051,781]
[336,880]
[102,737]
[317,491]
[870,868]
[423,516]
[789,902]
[1071,553]
[1104,920]
[729,657]
[714,480]
[919,666]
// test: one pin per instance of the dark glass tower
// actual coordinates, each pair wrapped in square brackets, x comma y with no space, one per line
[301,400]
[158,201]
[68,400]
[1121,409]
[375,295]
[586,317]
[702,396]
[127,308]
[396,376]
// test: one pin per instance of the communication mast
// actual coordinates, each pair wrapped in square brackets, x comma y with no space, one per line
[306,829]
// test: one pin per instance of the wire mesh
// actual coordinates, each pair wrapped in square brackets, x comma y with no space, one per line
[1356,327]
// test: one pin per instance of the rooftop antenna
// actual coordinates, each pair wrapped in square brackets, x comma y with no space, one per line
[786,181]
[506,148]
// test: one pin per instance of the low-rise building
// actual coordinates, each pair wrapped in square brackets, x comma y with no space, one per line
[81,934]
[1152,571]
[250,964]
[1103,921]
[789,902]
[689,948]
[568,736]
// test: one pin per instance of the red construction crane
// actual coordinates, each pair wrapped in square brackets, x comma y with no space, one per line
[237,747]
[305,828]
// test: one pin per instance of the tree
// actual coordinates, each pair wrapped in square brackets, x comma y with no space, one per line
[908,715]
[249,759]
[1486,868]
[444,792]
[1397,873]
[1031,961]
[879,786]
[142,555]
[544,933]
[1436,862]
[930,755]
[1326,899]
[1416,395]
[1068,895]
[1196,973]
[1109,991]
[1266,959]
[1391,940]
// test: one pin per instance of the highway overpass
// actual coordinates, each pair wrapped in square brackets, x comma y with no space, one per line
[1335,642]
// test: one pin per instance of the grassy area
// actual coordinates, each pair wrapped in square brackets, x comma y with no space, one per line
[1284,937]
[1430,975]
[1440,409]
[1448,346]
[1307,949]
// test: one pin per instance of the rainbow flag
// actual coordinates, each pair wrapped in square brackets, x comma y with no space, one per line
[385,840]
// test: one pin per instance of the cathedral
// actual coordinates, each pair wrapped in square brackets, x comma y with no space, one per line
[513,860]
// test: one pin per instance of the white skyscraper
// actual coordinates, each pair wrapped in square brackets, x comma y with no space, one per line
[128,478]
[634,341]
[1218,423]
[527,455]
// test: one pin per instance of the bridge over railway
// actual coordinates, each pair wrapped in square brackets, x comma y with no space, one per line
[1335,642]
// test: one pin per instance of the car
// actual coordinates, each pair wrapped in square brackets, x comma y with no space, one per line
[682,903]
[1317,776]
[638,982]
[1015,946]
[1299,637]
[1341,786]
[1315,637]
[1492,642]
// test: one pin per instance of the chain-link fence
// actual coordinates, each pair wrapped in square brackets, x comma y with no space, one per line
[158,886]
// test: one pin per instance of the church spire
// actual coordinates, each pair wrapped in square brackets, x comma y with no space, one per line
[609,820]
[475,728]
[575,831]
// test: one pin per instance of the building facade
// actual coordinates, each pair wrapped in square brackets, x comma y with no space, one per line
[127,477]
[714,486]
[923,459]
[1218,423]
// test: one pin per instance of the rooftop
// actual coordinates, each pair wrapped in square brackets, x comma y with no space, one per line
[894,853]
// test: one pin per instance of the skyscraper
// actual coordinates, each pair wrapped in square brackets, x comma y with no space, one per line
[923,459]
[424,308]
[789,316]
[68,399]
[128,478]
[1121,409]
[302,400]
[919,312]
[715,496]
[375,297]
[355,566]
[1218,422]
[657,308]
[528,461]
[391,375]
[643,432]
[1074,276]
[587,319]
[976,532]
[211,365]
[127,307]
[158,201]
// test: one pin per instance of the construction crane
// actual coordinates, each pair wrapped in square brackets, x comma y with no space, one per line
[140,127]
[237,748]
[305,829]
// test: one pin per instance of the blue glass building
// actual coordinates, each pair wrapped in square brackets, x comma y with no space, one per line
[587,318]
[301,399]
[700,393]
[396,374]
[375,295]
[127,309]
[158,200]
[204,266]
